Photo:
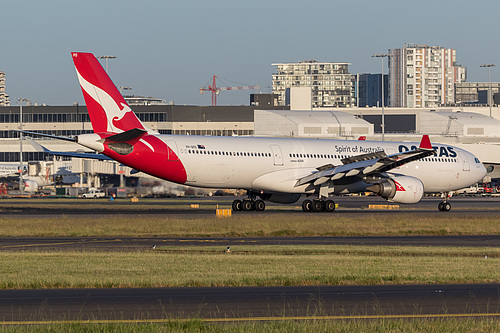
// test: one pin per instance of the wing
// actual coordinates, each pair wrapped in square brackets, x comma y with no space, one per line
[43,149]
[368,164]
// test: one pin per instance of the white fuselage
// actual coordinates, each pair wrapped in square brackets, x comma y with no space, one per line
[9,169]
[275,164]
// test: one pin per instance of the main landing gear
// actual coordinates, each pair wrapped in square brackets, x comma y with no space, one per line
[444,205]
[249,205]
[318,205]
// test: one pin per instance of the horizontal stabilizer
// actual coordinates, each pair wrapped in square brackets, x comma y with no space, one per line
[38,147]
[65,138]
[130,135]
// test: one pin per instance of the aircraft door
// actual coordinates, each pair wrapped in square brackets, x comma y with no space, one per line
[173,154]
[465,161]
[277,155]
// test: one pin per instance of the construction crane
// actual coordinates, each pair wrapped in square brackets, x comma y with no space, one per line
[216,90]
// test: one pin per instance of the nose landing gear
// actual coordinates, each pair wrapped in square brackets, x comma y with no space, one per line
[444,205]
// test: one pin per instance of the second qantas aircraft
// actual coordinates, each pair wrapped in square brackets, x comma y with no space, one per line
[274,169]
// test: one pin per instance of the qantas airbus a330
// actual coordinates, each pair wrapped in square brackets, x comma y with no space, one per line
[274,169]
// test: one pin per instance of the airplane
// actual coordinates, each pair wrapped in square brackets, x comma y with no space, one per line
[10,173]
[278,170]
[11,170]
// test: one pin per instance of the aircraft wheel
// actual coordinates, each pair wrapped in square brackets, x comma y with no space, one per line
[247,205]
[306,205]
[318,206]
[259,205]
[444,206]
[237,205]
[329,206]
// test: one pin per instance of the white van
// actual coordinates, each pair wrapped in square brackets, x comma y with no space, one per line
[94,194]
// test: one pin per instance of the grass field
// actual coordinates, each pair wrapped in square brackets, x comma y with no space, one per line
[280,224]
[271,265]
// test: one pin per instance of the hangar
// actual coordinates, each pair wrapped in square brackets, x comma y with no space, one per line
[316,124]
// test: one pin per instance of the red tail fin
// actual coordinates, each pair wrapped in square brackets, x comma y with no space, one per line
[108,110]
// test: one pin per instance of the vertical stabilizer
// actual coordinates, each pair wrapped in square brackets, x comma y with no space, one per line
[108,110]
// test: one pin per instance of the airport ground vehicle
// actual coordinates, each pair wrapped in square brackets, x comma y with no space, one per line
[94,193]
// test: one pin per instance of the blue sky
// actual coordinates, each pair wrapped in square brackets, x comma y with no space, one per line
[169,49]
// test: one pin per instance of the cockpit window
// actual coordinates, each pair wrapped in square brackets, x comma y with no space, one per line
[477,160]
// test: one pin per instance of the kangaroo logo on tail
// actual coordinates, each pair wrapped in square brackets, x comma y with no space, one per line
[108,110]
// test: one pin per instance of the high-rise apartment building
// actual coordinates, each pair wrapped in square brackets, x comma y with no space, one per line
[423,76]
[4,98]
[330,82]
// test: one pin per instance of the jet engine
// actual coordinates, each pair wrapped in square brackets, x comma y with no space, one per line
[401,189]
[283,198]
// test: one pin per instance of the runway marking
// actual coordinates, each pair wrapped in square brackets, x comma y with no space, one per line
[250,319]
[62,243]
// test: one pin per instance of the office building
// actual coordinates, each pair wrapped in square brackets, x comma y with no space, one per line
[369,92]
[475,92]
[330,82]
[422,76]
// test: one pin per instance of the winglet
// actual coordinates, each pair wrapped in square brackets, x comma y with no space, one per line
[362,138]
[425,143]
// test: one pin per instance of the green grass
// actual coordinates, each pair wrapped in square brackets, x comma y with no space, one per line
[465,325]
[279,224]
[250,266]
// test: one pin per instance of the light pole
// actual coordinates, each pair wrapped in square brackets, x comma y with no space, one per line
[382,56]
[489,78]
[21,180]
[107,57]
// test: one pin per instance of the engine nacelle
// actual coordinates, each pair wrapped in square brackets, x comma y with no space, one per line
[283,198]
[402,189]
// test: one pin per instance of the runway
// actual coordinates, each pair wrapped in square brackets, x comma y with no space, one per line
[247,303]
[180,207]
[146,244]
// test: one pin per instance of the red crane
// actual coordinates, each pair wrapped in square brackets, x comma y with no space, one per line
[216,90]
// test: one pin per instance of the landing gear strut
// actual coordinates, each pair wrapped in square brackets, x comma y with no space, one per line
[318,205]
[444,205]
